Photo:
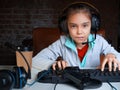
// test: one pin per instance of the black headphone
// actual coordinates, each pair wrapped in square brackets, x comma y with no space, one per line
[95,19]
[16,78]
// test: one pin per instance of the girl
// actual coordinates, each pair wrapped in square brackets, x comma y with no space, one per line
[80,46]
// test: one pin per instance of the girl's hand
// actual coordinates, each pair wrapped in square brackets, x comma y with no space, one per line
[111,60]
[59,64]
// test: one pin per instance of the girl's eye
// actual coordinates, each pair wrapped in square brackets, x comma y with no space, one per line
[85,25]
[73,26]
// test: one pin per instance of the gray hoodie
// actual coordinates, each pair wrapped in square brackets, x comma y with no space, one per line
[66,48]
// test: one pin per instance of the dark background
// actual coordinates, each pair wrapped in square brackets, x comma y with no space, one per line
[19,17]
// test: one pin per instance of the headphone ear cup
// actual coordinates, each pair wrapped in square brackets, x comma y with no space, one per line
[64,29]
[95,23]
[7,80]
[62,24]
[20,77]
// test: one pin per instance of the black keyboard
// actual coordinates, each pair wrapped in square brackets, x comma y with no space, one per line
[104,76]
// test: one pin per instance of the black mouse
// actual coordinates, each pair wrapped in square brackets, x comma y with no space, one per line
[58,70]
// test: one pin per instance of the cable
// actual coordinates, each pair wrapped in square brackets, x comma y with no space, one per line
[45,73]
[113,88]
[55,86]
[13,47]
[29,72]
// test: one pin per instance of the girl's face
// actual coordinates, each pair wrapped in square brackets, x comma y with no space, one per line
[79,25]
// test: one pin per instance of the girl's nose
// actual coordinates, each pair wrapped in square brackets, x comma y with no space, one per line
[79,30]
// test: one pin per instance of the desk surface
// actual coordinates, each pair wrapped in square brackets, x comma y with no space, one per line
[41,86]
